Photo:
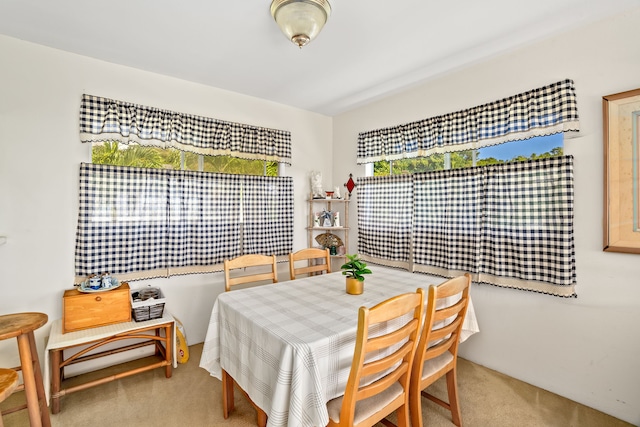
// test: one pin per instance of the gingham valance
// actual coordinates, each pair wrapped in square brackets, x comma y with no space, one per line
[548,110]
[103,119]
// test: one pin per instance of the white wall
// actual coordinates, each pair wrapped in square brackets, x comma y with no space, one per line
[587,349]
[40,153]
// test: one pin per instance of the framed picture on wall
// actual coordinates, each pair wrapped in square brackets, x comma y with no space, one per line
[621,125]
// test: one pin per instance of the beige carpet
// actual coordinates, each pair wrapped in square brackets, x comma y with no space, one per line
[192,398]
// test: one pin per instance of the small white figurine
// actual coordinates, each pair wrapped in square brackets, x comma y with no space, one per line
[326,218]
[336,193]
[316,185]
[336,219]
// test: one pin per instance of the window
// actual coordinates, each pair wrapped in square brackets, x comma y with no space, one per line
[516,151]
[170,193]
[496,221]
[113,153]
[540,147]
[486,197]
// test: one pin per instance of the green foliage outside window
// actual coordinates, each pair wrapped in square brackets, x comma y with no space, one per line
[555,152]
[460,159]
[110,153]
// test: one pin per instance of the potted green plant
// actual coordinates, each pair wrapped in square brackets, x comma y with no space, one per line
[354,269]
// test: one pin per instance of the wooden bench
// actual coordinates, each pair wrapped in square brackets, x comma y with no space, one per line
[86,343]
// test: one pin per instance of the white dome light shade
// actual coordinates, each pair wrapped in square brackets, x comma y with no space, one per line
[300,20]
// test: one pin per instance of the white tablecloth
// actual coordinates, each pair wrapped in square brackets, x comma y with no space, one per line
[290,345]
[57,339]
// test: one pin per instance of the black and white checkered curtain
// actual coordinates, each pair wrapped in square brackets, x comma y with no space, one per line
[527,228]
[384,219]
[544,111]
[508,225]
[140,223]
[447,227]
[267,215]
[204,224]
[103,120]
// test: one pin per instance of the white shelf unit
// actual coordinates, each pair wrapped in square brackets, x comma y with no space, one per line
[341,206]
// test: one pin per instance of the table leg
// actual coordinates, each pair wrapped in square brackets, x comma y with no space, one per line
[227,394]
[228,404]
[56,379]
[262,417]
[168,333]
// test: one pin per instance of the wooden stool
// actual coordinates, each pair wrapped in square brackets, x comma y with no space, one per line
[8,383]
[21,326]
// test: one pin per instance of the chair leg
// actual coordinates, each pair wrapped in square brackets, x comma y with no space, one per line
[403,416]
[454,404]
[415,406]
[42,398]
[29,380]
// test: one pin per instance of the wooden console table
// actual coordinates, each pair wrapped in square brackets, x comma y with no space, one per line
[88,340]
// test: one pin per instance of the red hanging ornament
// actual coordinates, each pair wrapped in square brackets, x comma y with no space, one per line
[350,184]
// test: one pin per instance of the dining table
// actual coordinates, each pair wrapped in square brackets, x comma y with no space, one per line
[289,345]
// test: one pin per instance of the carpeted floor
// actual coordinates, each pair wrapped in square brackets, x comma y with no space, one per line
[193,398]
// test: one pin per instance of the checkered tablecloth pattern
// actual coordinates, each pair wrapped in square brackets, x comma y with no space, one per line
[290,345]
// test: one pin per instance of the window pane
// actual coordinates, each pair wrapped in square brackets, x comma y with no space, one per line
[433,162]
[233,165]
[462,159]
[190,160]
[421,164]
[517,151]
[112,153]
[381,168]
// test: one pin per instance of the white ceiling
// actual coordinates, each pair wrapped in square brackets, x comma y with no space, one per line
[369,48]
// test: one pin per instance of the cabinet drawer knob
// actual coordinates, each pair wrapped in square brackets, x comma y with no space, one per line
[98,298]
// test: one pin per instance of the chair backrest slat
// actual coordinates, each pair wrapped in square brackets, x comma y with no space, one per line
[310,255]
[383,383]
[250,261]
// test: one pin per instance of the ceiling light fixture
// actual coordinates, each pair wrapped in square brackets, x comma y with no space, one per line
[300,20]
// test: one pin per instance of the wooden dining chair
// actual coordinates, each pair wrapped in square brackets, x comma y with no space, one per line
[437,352]
[312,256]
[245,261]
[248,261]
[388,352]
